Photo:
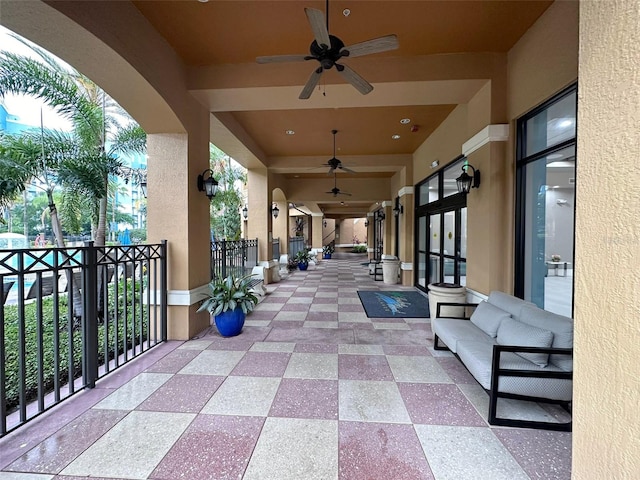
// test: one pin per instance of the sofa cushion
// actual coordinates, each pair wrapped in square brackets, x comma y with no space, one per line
[488,317]
[559,325]
[452,330]
[508,303]
[513,332]
[477,357]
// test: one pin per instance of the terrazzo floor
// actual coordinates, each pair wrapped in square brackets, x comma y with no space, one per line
[311,389]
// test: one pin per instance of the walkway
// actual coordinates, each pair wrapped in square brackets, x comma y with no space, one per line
[312,389]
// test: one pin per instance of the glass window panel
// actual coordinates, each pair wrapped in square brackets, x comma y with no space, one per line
[452,172]
[422,270]
[551,126]
[434,233]
[434,269]
[549,232]
[463,273]
[422,234]
[423,194]
[434,193]
[449,233]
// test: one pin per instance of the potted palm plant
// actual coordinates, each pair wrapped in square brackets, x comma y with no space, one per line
[303,257]
[228,301]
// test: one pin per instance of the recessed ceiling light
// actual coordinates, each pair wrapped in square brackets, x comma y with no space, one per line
[289,132]
[203,1]
[404,121]
[435,163]
[395,137]
[346,12]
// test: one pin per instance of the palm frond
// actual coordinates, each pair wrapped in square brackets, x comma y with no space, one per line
[131,138]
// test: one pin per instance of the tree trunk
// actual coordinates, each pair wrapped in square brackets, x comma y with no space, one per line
[102,223]
[59,239]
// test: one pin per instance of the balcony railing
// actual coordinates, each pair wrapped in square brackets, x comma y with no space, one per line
[275,249]
[296,244]
[70,316]
[237,257]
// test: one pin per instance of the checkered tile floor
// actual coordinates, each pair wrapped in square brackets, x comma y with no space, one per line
[311,389]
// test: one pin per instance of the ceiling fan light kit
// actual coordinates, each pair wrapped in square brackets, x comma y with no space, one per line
[328,49]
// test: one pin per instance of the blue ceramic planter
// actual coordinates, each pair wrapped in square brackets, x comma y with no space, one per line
[230,323]
[303,266]
[326,256]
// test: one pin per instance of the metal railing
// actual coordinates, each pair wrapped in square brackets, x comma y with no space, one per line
[72,315]
[237,257]
[296,244]
[275,249]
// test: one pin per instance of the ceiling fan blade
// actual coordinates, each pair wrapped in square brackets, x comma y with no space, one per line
[311,84]
[281,58]
[331,170]
[377,45]
[346,169]
[354,79]
[344,193]
[318,26]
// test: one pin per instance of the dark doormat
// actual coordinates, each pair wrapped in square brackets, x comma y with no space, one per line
[394,304]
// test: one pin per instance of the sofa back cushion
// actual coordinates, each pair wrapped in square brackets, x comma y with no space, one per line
[562,328]
[513,332]
[508,303]
[488,318]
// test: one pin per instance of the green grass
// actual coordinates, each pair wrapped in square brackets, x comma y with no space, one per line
[67,338]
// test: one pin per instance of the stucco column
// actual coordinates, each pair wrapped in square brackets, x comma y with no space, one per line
[387,247]
[606,425]
[178,212]
[316,231]
[405,229]
[370,227]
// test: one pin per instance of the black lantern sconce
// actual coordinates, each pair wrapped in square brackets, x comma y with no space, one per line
[380,215]
[466,182]
[399,210]
[324,224]
[366,223]
[275,211]
[208,185]
[245,212]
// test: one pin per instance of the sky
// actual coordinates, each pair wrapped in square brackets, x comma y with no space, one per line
[27,108]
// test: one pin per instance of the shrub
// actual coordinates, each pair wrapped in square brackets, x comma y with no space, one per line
[359,249]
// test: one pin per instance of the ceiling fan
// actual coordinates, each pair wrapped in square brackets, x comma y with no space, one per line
[335,191]
[334,163]
[328,49]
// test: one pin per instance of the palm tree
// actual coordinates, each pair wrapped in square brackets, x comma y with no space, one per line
[79,162]
[92,113]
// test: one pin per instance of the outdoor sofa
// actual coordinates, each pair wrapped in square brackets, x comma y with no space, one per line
[514,350]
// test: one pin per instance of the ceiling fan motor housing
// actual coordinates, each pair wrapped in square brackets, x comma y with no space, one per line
[327,56]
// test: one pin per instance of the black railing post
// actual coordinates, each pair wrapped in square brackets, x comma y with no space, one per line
[224,258]
[163,292]
[89,316]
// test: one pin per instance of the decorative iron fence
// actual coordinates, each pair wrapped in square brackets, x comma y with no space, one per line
[275,248]
[70,316]
[236,257]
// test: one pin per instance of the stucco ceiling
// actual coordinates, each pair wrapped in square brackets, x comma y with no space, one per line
[444,58]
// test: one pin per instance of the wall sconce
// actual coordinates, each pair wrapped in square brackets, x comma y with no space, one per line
[366,223]
[325,224]
[275,211]
[398,210]
[466,182]
[245,212]
[380,214]
[207,185]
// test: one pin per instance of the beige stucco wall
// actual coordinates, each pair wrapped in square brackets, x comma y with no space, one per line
[544,60]
[606,380]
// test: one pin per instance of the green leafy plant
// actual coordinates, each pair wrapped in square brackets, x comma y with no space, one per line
[304,255]
[229,293]
[329,248]
[359,249]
